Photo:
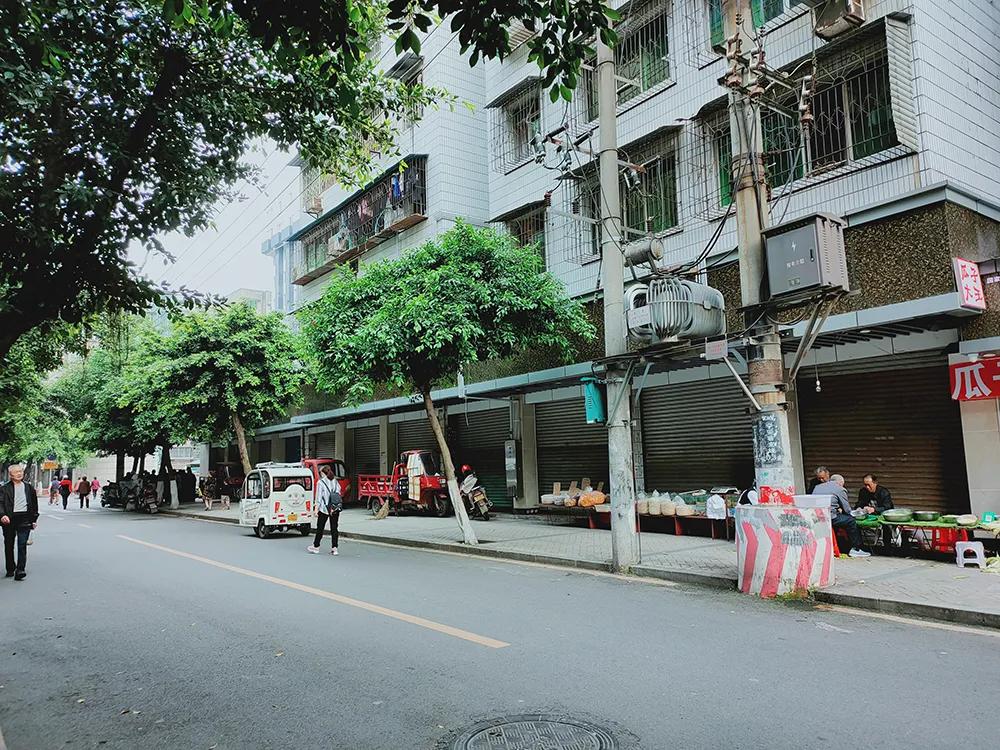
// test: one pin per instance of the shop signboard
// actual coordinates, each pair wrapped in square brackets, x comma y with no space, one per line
[970,284]
[975,381]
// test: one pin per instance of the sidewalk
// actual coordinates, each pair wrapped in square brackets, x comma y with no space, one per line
[886,584]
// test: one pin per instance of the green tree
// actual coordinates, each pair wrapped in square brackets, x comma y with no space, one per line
[124,119]
[217,374]
[413,322]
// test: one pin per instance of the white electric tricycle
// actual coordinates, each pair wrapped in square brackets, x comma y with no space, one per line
[278,497]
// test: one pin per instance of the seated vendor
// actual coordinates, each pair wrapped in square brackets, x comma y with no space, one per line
[873,497]
[840,512]
[821,475]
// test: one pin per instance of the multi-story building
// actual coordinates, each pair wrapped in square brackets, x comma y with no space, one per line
[258,299]
[904,146]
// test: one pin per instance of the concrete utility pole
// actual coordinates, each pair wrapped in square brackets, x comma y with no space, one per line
[771,436]
[624,539]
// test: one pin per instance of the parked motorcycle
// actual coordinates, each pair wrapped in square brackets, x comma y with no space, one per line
[118,494]
[473,495]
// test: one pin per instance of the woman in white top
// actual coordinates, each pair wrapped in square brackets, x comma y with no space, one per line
[328,505]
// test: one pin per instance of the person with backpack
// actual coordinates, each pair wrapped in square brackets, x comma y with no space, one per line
[83,490]
[329,503]
[53,491]
[65,488]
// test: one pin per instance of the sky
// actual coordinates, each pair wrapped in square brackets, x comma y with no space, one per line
[227,256]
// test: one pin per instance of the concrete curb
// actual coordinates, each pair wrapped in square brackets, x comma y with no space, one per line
[911,609]
[885,606]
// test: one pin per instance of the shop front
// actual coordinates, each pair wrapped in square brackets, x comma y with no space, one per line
[888,416]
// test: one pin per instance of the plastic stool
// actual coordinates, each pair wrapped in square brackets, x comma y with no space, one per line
[976,548]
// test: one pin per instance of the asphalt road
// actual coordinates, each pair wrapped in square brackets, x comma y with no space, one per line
[212,638]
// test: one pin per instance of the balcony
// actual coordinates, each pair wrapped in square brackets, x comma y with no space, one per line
[390,204]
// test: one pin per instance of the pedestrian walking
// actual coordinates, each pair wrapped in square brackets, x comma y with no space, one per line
[54,491]
[83,490]
[328,504]
[18,515]
[95,490]
[65,488]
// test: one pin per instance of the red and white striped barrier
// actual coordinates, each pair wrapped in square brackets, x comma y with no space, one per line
[781,549]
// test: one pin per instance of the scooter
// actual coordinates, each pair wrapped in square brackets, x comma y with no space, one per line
[474,496]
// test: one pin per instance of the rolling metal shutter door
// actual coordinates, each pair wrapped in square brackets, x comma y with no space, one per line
[326,445]
[477,440]
[899,424]
[263,451]
[568,447]
[414,435]
[696,435]
[293,449]
[367,455]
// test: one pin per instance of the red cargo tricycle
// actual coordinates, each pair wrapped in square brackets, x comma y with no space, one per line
[375,490]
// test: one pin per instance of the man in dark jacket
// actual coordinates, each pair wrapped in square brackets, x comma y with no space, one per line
[873,497]
[18,515]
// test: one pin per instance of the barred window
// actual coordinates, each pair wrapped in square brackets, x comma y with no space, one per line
[529,229]
[762,11]
[642,55]
[716,160]
[852,118]
[651,205]
[409,69]
[649,197]
[515,125]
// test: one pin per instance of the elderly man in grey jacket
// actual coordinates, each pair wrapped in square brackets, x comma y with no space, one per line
[840,512]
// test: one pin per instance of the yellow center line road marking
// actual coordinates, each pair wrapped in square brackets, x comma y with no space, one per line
[465,635]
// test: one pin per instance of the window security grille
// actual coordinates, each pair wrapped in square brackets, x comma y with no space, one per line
[852,118]
[649,198]
[529,229]
[761,11]
[410,71]
[391,204]
[514,126]
[642,55]
[313,186]
[712,162]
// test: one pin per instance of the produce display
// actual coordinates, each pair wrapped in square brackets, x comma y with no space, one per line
[968,520]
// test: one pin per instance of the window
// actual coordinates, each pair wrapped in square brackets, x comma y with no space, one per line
[852,118]
[717,160]
[642,55]
[515,125]
[283,483]
[529,229]
[254,486]
[409,70]
[650,205]
[761,10]
[649,197]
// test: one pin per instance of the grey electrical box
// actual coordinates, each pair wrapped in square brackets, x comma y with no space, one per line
[806,254]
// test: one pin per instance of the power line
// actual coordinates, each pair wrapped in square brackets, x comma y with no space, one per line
[182,255]
[218,258]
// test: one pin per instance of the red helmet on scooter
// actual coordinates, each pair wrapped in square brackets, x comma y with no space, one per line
[466,469]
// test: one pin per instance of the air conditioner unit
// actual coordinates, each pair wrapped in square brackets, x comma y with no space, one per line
[837,17]
[315,206]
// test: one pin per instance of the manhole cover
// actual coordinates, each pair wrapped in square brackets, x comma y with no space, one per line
[535,732]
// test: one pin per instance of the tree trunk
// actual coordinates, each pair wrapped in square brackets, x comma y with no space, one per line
[165,457]
[241,441]
[449,472]
[142,463]
[119,465]
[135,464]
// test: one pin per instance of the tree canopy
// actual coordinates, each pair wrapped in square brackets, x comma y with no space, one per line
[217,374]
[121,120]
[412,322]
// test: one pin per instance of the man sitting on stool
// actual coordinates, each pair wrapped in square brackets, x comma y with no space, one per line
[840,512]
